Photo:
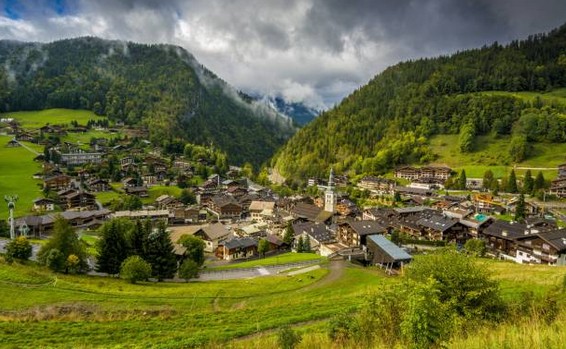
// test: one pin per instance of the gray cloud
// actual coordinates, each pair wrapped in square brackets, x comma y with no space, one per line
[315,51]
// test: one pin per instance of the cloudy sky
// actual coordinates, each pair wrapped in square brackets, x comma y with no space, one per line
[316,51]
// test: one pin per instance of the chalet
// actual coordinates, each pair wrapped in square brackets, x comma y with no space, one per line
[98,185]
[153,215]
[558,186]
[354,233]
[40,225]
[317,233]
[260,210]
[130,182]
[225,207]
[57,182]
[377,185]
[168,202]
[141,191]
[407,172]
[26,136]
[212,235]
[13,143]
[236,191]
[440,174]
[275,243]
[501,238]
[43,204]
[236,248]
[310,213]
[189,215]
[383,252]
[440,227]
[413,191]
[485,203]
[531,209]
[562,171]
[149,180]
[345,207]
[81,158]
[79,200]
[542,248]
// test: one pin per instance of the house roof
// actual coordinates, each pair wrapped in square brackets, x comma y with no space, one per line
[317,231]
[390,248]
[215,231]
[237,242]
[437,222]
[307,211]
[367,227]
[555,238]
[506,230]
[262,205]
[222,200]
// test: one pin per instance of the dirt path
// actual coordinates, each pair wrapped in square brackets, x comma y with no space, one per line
[336,271]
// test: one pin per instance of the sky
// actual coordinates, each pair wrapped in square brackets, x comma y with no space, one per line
[311,51]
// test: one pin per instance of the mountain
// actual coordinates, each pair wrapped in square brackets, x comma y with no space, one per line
[161,87]
[301,113]
[390,120]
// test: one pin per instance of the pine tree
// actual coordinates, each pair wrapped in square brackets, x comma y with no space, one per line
[462,180]
[528,183]
[64,243]
[307,245]
[136,239]
[520,209]
[488,179]
[300,244]
[288,236]
[539,182]
[113,246]
[159,253]
[512,183]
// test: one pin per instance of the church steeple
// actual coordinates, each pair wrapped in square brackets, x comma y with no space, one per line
[330,195]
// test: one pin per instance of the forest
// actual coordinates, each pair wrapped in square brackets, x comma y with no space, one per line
[160,87]
[389,121]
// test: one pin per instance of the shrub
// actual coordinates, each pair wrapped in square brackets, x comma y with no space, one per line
[135,269]
[19,248]
[188,270]
[287,338]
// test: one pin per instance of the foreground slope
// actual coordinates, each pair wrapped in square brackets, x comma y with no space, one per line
[389,121]
[162,87]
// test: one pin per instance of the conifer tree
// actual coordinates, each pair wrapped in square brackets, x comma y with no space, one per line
[113,246]
[159,253]
[512,183]
[300,244]
[520,209]
[528,183]
[539,182]
[307,245]
[462,180]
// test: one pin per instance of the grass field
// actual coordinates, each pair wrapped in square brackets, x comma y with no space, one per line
[290,257]
[557,96]
[48,310]
[158,190]
[16,170]
[492,153]
[37,119]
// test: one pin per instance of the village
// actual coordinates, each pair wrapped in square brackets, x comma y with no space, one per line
[231,213]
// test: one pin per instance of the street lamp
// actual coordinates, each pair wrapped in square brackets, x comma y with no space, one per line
[11,200]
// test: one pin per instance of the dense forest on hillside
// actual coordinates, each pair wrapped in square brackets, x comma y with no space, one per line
[388,121]
[161,87]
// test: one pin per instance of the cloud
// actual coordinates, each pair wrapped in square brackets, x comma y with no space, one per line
[315,51]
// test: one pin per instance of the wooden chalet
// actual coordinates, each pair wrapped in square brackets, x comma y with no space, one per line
[212,235]
[225,207]
[43,204]
[354,234]
[57,182]
[79,200]
[98,185]
[236,248]
[542,248]
[377,185]
[140,191]
[261,210]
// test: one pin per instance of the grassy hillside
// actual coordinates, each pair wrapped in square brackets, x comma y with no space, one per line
[17,168]
[58,116]
[82,311]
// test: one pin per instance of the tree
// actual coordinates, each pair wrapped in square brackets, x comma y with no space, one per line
[466,139]
[307,245]
[188,270]
[287,338]
[488,179]
[159,253]
[518,147]
[262,247]
[113,246]
[462,180]
[19,248]
[300,244]
[528,183]
[195,248]
[511,183]
[539,182]
[187,197]
[463,285]
[63,243]
[520,208]
[475,247]
[135,269]
[4,229]
[137,237]
[289,234]
[397,196]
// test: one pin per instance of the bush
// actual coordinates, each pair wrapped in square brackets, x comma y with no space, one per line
[19,248]
[135,269]
[475,247]
[188,270]
[287,338]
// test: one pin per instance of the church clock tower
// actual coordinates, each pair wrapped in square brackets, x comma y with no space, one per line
[330,195]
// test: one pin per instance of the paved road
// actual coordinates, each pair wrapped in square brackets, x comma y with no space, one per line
[230,274]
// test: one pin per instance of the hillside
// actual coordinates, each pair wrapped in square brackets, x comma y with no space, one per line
[494,90]
[161,87]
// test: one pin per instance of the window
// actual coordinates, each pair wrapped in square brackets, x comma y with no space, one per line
[545,247]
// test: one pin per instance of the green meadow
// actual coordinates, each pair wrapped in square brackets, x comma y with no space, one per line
[16,171]
[290,257]
[37,119]
[54,310]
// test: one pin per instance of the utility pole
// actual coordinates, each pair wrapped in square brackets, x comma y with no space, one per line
[11,200]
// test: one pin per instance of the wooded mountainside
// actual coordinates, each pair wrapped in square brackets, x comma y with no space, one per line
[161,87]
[389,121]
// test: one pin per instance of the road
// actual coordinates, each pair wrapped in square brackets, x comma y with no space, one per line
[211,275]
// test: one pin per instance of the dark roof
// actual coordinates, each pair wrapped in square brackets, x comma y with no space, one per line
[506,230]
[222,200]
[215,231]
[437,222]
[307,211]
[394,251]
[555,238]
[274,239]
[367,227]
[239,243]
[317,231]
